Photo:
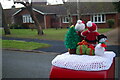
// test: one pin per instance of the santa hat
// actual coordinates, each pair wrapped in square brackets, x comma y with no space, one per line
[80,26]
[91,26]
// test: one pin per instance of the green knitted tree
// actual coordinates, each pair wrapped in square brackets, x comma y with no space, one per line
[72,38]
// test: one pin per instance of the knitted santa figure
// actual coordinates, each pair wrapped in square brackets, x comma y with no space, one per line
[91,34]
[79,27]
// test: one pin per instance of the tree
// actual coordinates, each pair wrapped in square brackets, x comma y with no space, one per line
[117,6]
[4,24]
[28,6]
[110,22]
[68,6]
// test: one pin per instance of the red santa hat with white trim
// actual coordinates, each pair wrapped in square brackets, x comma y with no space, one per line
[91,26]
[80,26]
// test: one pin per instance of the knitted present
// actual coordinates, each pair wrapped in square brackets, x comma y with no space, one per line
[90,50]
[81,49]
[84,48]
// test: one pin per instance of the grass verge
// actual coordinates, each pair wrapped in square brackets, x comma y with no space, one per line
[13,44]
[50,34]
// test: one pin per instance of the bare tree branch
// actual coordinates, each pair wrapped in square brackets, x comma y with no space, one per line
[31,12]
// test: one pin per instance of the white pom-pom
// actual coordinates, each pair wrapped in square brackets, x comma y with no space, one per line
[89,24]
[80,27]
[79,21]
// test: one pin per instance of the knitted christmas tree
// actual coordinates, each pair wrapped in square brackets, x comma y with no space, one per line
[72,38]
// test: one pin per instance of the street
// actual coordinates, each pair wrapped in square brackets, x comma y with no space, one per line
[30,65]
[26,65]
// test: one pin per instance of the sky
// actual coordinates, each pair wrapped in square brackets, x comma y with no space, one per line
[7,4]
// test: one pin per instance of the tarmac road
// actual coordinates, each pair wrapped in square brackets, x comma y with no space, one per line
[26,65]
[30,65]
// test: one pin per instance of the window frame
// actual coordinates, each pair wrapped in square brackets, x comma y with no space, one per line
[27,18]
[64,19]
[98,18]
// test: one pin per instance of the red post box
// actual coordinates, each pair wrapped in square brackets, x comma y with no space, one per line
[57,72]
[60,70]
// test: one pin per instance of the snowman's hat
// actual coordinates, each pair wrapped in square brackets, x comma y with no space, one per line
[101,36]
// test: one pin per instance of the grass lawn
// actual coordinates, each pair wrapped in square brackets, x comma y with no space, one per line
[13,44]
[50,34]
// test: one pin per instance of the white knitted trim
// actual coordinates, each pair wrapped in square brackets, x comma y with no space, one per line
[82,34]
[84,62]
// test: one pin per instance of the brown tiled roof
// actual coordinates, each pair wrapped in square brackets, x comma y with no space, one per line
[85,8]
[97,7]
[59,10]
[8,14]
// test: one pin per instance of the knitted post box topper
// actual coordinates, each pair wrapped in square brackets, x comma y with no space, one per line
[91,34]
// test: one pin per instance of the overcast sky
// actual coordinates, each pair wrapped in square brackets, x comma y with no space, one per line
[6,4]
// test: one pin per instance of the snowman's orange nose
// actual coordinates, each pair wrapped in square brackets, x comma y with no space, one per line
[106,41]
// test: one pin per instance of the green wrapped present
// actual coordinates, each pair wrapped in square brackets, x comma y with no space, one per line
[90,51]
[84,48]
[81,49]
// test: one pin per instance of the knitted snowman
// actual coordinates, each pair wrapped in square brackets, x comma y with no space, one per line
[91,34]
[100,47]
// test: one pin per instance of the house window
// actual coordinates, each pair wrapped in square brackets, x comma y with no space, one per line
[65,19]
[27,19]
[98,18]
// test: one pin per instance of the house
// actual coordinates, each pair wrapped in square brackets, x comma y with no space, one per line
[8,15]
[57,15]
[0,15]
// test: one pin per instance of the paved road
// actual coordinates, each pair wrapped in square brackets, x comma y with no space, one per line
[26,65]
[59,47]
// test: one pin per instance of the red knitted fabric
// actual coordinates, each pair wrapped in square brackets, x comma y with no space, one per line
[93,27]
[91,36]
